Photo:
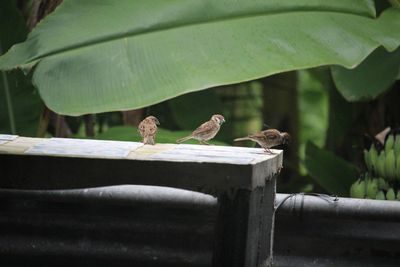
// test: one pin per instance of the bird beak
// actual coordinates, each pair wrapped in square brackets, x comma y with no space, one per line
[157,122]
[222,121]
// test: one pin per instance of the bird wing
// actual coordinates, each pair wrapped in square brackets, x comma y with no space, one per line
[205,128]
[258,136]
[152,129]
[147,128]
[141,129]
[272,136]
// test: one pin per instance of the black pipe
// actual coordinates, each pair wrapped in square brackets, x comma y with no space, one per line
[158,226]
[332,207]
[110,226]
[324,231]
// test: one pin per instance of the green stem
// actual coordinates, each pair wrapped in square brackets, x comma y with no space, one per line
[8,100]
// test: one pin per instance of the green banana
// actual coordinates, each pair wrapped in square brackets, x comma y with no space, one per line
[384,164]
[380,167]
[357,189]
[380,195]
[396,146]
[390,195]
[372,188]
[389,142]
[390,164]
[373,158]
[382,184]
[367,160]
[353,189]
[398,167]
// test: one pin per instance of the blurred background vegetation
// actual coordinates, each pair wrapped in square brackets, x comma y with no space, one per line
[329,127]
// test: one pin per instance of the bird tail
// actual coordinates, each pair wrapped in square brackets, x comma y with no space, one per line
[241,139]
[181,140]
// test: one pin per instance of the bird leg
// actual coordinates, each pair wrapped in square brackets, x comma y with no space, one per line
[148,140]
[204,142]
[269,151]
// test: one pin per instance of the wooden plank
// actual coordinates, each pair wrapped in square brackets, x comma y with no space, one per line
[34,163]
[8,137]
[133,150]
[4,138]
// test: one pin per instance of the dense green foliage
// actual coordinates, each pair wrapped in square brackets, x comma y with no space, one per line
[331,172]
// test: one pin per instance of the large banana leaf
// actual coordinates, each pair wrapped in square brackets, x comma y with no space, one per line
[104,55]
[20,104]
[372,77]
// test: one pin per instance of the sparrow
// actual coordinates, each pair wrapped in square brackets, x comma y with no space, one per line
[206,131]
[267,138]
[148,129]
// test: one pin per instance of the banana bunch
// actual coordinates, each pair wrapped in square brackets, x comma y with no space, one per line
[383,176]
[385,163]
[373,188]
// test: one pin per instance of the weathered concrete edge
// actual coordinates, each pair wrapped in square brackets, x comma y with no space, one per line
[265,170]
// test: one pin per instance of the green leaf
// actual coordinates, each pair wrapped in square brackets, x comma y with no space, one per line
[126,133]
[20,104]
[376,74]
[334,174]
[105,55]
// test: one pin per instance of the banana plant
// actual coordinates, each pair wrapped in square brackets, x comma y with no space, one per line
[20,103]
[105,55]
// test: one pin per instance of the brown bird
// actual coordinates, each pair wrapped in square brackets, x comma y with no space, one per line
[148,129]
[206,131]
[268,138]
